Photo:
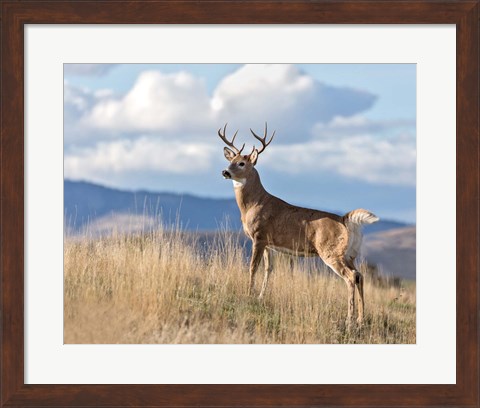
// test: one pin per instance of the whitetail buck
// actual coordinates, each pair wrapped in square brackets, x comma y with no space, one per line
[273,224]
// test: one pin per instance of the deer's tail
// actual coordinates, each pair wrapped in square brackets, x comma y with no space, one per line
[354,220]
[360,217]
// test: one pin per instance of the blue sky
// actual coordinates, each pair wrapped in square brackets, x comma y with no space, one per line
[345,132]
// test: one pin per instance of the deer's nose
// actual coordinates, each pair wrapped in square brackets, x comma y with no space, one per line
[226,174]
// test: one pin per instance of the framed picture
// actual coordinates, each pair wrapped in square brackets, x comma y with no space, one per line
[52,359]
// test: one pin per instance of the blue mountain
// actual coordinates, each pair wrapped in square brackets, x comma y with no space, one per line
[86,202]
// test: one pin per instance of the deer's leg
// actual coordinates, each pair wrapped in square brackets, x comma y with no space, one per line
[359,286]
[349,276]
[351,301]
[268,269]
[360,302]
[257,252]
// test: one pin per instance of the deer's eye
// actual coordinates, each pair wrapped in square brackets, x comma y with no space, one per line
[241,164]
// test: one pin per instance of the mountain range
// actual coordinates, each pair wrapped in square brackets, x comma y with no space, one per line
[95,206]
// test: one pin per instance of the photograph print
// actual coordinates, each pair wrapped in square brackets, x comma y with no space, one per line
[240,203]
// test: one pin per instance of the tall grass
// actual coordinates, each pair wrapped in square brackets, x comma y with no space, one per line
[163,287]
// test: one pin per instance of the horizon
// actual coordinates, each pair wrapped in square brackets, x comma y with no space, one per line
[345,133]
[180,194]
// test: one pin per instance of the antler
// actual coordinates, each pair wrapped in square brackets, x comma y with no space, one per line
[263,139]
[230,144]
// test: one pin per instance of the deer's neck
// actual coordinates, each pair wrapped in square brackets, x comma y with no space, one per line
[249,192]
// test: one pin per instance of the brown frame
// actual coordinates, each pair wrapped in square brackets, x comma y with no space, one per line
[465,14]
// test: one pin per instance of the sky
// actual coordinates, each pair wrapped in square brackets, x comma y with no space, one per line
[345,133]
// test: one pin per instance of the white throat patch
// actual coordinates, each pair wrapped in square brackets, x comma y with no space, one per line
[239,183]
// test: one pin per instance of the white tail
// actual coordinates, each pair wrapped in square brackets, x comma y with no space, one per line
[360,217]
[273,224]
[353,221]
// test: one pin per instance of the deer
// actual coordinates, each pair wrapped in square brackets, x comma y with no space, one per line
[275,225]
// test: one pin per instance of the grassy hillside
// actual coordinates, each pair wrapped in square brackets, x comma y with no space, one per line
[159,287]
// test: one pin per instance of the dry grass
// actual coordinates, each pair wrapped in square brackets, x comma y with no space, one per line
[159,287]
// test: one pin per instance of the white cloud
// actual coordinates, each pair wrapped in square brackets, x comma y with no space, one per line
[157,102]
[140,155]
[253,88]
[167,123]
[88,69]
[286,97]
[341,126]
[179,102]
[77,103]
[363,157]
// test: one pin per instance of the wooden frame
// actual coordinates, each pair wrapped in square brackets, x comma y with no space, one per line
[465,14]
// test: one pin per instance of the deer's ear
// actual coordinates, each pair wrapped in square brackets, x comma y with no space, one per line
[253,157]
[229,154]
